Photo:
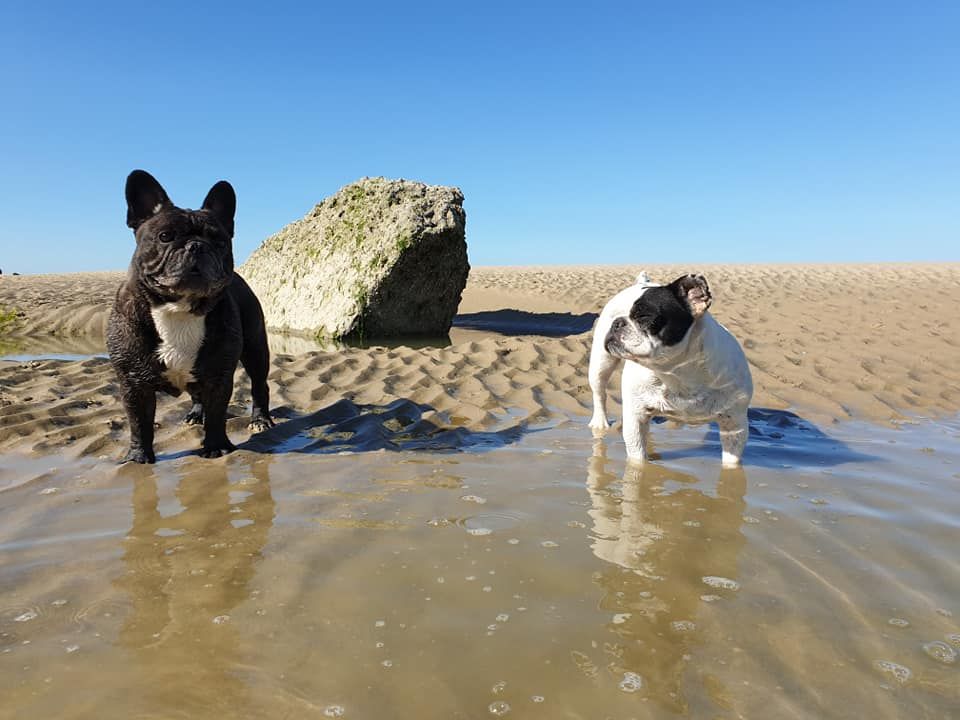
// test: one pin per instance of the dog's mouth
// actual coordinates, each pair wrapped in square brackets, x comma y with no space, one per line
[614,346]
[193,276]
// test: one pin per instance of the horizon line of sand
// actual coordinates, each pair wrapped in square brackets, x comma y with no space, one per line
[831,342]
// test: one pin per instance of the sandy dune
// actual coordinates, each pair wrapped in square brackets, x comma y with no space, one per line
[873,342]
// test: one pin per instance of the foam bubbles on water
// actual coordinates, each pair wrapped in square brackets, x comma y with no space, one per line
[621,618]
[498,708]
[537,698]
[548,544]
[479,531]
[27,616]
[941,652]
[683,626]
[502,617]
[898,672]
[631,682]
[334,711]
[474,499]
[723,583]
[710,598]
[499,687]
[953,639]
[898,622]
[221,619]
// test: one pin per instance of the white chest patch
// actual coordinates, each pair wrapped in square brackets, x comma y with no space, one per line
[181,335]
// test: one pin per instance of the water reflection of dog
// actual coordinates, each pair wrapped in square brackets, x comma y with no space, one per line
[659,542]
[185,573]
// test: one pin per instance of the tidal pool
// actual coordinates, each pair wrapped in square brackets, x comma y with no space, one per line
[535,577]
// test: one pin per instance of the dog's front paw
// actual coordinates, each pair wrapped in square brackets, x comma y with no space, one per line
[215,450]
[139,456]
[260,422]
[729,460]
[599,424]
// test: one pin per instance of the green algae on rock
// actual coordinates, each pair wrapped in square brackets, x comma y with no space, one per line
[380,258]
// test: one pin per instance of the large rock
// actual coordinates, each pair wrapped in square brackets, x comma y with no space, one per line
[380,258]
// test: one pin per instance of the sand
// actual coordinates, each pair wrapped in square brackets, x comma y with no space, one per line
[830,342]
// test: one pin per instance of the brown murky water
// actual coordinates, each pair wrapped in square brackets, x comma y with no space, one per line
[537,578]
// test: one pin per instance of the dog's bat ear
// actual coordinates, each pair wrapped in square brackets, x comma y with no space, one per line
[221,201]
[145,198]
[694,292]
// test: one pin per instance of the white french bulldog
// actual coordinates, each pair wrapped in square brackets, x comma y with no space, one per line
[681,364]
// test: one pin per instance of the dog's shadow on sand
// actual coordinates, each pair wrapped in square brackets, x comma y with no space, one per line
[778,438]
[399,426]
[520,322]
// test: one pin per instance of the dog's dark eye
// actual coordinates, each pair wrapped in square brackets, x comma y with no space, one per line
[165,236]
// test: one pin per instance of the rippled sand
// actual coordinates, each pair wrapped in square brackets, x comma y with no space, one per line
[535,575]
[838,342]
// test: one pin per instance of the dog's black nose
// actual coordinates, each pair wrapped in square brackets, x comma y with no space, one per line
[618,324]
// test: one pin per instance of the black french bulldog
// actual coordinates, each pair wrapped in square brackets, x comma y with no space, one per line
[183,318]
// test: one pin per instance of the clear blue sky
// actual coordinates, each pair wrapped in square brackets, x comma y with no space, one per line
[604,133]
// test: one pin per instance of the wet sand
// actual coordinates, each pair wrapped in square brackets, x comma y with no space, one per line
[432,531]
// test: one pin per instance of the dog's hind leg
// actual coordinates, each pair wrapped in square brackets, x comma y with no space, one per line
[194,415]
[734,430]
[256,361]
[602,365]
[636,432]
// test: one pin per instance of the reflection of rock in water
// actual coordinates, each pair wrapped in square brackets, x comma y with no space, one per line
[283,344]
[185,573]
[659,543]
[287,344]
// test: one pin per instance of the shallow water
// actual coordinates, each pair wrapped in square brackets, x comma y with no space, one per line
[55,347]
[534,576]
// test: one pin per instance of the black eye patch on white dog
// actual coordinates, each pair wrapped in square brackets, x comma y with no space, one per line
[660,312]
[668,311]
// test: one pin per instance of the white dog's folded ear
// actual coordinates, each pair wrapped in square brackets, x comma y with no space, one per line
[643,278]
[694,291]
